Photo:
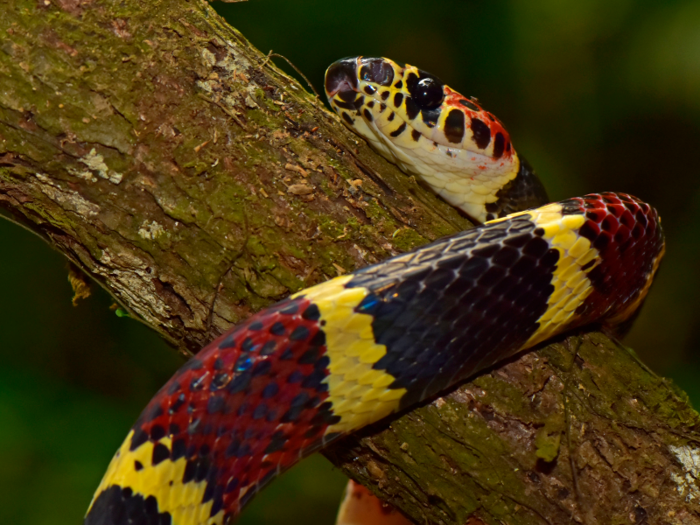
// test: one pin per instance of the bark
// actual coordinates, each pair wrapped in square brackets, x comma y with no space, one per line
[576,432]
[172,163]
[161,152]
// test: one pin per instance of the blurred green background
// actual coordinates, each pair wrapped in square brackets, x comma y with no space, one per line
[597,94]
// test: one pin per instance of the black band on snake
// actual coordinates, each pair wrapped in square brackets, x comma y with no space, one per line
[348,352]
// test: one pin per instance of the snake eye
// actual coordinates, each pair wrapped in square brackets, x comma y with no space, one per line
[428,93]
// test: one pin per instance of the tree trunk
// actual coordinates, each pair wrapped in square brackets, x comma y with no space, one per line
[174,164]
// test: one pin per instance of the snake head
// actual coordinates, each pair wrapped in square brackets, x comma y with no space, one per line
[415,120]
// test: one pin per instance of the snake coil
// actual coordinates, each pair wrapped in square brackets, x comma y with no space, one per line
[345,353]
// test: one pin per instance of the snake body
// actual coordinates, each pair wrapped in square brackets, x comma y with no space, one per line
[348,352]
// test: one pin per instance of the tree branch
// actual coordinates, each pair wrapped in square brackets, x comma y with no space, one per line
[171,162]
[577,432]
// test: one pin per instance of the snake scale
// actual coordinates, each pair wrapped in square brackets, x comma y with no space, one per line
[340,355]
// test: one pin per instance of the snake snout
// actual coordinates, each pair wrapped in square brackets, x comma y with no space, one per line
[377,70]
[341,79]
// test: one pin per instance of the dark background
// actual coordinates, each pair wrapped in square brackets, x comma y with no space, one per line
[597,94]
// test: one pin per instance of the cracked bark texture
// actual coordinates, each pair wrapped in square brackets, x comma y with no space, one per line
[167,159]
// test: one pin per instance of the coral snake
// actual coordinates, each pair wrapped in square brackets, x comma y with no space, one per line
[335,357]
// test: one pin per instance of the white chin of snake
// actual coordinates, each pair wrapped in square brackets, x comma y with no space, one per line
[465,179]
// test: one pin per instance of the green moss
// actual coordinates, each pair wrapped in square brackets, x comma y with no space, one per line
[548,438]
[299,148]
[504,395]
[325,186]
[190,157]
[341,169]
[262,98]
[228,203]
[287,279]
[406,239]
[330,228]
[374,211]
[256,247]
[265,120]
[59,220]
[352,223]
[14,138]
[264,285]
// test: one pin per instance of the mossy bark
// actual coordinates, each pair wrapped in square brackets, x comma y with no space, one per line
[576,432]
[170,161]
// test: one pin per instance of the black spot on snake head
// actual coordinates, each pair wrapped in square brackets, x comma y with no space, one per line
[468,104]
[412,108]
[481,133]
[377,71]
[454,126]
[341,79]
[411,81]
[428,92]
[498,145]
[430,117]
